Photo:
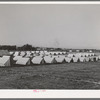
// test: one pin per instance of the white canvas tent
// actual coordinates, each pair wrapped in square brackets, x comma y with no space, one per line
[96,58]
[78,55]
[23,61]
[59,59]
[5,61]
[16,58]
[41,52]
[91,58]
[22,53]
[68,59]
[46,53]
[75,59]
[49,60]
[89,54]
[16,53]
[92,54]
[38,60]
[99,57]
[71,55]
[28,54]
[37,51]
[64,52]
[82,59]
[87,59]
[32,51]
[54,56]
[11,53]
[86,54]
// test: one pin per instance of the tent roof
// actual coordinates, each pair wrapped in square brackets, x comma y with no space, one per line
[37,60]
[59,59]
[22,61]
[17,57]
[3,60]
[48,59]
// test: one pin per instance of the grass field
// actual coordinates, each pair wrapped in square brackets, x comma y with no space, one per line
[57,76]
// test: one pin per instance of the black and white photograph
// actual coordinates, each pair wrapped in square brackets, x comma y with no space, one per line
[50,46]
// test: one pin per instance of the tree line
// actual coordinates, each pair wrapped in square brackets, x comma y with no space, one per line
[28,47]
[14,47]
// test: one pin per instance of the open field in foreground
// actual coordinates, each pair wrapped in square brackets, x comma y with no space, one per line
[57,76]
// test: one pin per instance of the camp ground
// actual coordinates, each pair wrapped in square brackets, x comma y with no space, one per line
[34,69]
[48,57]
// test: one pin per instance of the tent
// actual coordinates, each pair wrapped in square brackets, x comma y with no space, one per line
[23,61]
[99,57]
[96,58]
[75,59]
[49,60]
[16,53]
[38,60]
[16,58]
[87,59]
[81,59]
[46,53]
[22,53]
[11,53]
[92,54]
[41,52]
[78,55]
[86,54]
[5,61]
[32,51]
[89,54]
[37,51]
[68,59]
[60,59]
[64,52]
[91,58]
[28,54]
[71,55]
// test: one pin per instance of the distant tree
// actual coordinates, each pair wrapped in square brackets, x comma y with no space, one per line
[8,47]
[27,47]
[34,48]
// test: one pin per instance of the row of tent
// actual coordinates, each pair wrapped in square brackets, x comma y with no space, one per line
[32,57]
[35,53]
[19,60]
[46,53]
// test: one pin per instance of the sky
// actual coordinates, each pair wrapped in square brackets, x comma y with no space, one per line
[50,25]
